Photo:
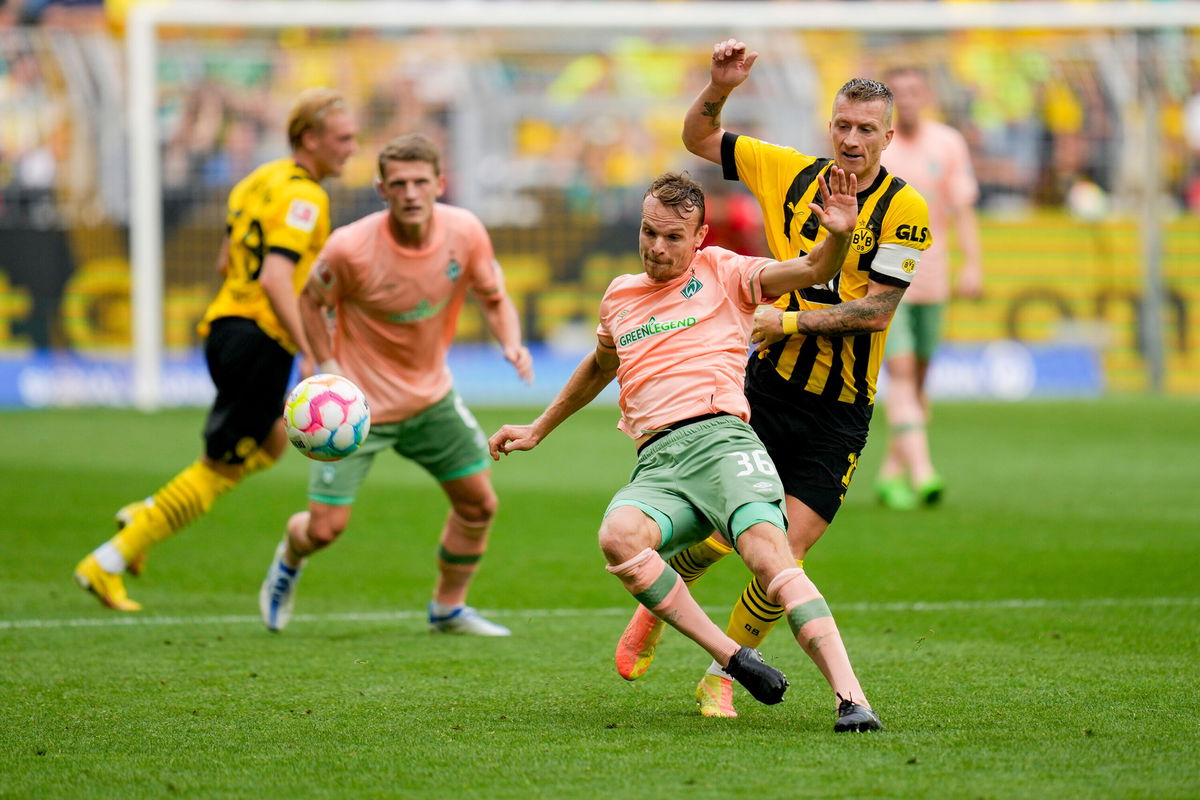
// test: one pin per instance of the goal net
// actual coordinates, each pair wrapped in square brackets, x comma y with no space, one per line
[1083,122]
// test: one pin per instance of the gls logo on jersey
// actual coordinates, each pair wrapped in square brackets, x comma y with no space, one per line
[302,215]
[912,233]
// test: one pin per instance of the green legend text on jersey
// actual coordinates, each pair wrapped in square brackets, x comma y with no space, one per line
[652,327]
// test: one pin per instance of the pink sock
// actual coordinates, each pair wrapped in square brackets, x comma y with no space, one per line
[462,546]
[815,630]
[648,578]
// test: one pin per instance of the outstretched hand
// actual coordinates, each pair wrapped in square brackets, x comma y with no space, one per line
[731,63]
[510,438]
[840,201]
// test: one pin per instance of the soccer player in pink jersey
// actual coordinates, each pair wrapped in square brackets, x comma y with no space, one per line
[934,158]
[811,381]
[395,281]
[675,338]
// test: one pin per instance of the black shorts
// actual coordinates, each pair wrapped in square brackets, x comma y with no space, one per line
[815,443]
[251,372]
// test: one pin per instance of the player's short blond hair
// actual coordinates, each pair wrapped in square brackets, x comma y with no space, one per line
[864,90]
[309,111]
[411,147]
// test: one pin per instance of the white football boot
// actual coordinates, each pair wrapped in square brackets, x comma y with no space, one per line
[276,596]
[467,620]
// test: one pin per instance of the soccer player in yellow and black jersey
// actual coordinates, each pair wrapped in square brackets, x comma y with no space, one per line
[811,383]
[278,220]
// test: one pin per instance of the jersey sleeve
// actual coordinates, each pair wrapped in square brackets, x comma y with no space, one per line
[741,275]
[766,169]
[298,221]
[603,330]
[483,270]
[904,236]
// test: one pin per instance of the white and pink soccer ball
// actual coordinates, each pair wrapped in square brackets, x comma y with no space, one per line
[326,417]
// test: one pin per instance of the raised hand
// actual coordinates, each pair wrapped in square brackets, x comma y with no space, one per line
[731,63]
[840,212]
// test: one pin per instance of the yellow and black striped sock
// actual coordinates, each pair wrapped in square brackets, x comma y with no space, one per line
[185,497]
[753,616]
[692,563]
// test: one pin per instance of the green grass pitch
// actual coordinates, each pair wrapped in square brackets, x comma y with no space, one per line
[1034,637]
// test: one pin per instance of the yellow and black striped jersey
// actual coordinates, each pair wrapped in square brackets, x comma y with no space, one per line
[277,208]
[891,233]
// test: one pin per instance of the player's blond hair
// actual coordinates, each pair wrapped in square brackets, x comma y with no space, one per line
[309,111]
[411,147]
[864,90]
[677,191]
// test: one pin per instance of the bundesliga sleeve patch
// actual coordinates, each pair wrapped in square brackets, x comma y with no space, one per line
[302,215]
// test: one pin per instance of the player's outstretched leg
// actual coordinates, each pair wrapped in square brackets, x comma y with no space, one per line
[185,497]
[659,588]
[639,641]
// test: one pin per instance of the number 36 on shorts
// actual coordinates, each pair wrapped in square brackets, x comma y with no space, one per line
[752,462]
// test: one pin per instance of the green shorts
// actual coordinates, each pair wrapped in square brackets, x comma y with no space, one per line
[710,475]
[444,439]
[916,329]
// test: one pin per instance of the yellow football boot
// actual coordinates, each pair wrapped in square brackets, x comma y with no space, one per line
[714,695]
[105,585]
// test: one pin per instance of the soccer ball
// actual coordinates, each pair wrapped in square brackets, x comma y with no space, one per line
[326,417]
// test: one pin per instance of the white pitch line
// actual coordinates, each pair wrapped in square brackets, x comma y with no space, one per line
[112,620]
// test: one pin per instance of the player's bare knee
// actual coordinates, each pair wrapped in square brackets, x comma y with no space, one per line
[475,512]
[323,535]
[325,525]
[625,532]
[764,549]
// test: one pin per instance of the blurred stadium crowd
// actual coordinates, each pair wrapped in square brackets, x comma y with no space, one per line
[550,139]
[1041,111]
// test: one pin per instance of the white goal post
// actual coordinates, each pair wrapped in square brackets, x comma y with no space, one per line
[147,20]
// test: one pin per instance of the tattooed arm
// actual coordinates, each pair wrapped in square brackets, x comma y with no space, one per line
[864,315]
[702,129]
